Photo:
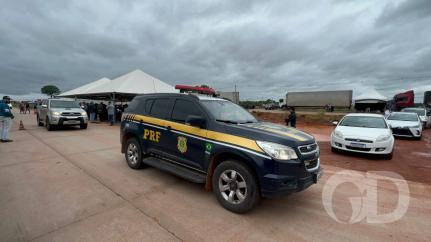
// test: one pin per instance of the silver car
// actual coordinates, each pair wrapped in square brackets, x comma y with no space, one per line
[61,112]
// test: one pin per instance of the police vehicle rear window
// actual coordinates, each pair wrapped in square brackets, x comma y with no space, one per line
[148,105]
[182,109]
[160,108]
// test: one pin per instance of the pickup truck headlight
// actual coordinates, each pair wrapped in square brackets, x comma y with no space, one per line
[277,151]
[338,134]
[84,113]
[55,114]
[382,138]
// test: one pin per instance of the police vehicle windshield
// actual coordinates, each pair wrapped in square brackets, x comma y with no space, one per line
[228,112]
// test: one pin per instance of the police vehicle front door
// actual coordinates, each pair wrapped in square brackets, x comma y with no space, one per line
[185,143]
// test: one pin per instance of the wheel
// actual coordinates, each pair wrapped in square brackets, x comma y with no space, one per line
[235,186]
[38,121]
[389,156]
[334,150]
[134,154]
[83,126]
[48,125]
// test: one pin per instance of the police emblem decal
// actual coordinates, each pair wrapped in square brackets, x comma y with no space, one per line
[182,144]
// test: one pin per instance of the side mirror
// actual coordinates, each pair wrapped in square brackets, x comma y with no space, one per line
[335,123]
[196,121]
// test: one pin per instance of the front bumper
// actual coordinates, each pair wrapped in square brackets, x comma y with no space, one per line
[69,121]
[374,147]
[291,176]
[407,131]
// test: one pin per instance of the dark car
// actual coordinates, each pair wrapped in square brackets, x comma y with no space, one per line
[216,142]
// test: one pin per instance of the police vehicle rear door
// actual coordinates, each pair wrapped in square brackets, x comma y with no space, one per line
[154,136]
[186,143]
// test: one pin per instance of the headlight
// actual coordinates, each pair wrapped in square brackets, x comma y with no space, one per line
[84,113]
[55,113]
[383,138]
[338,134]
[278,151]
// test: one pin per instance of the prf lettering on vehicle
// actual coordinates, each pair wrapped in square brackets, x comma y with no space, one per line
[152,135]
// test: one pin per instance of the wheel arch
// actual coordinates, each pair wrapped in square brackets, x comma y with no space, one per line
[126,137]
[218,158]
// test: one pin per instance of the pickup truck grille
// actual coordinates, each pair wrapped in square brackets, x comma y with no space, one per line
[305,149]
[70,114]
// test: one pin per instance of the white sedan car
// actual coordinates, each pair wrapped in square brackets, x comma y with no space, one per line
[423,114]
[363,133]
[405,124]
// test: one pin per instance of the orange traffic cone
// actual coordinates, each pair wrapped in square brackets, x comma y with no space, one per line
[21,125]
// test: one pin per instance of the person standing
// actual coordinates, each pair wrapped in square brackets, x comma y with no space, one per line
[92,111]
[27,107]
[111,111]
[6,117]
[387,113]
[100,112]
[21,107]
[291,118]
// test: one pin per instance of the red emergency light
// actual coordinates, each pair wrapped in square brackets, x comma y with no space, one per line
[201,90]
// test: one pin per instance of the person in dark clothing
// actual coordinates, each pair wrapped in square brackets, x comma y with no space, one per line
[27,108]
[100,111]
[92,111]
[291,118]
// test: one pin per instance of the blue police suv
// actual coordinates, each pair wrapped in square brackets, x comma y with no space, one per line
[215,142]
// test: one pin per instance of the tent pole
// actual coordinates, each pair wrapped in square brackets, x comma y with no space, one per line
[115,109]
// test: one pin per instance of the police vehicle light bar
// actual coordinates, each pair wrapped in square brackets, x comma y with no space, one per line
[197,89]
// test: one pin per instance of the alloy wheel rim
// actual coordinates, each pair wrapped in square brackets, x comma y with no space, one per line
[132,154]
[232,186]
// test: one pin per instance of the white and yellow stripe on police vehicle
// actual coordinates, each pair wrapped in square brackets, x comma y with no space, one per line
[228,140]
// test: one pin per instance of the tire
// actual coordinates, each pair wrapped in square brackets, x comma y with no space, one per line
[334,150]
[48,125]
[38,121]
[133,154]
[389,156]
[237,178]
[83,126]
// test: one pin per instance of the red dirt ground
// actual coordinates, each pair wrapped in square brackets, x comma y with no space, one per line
[412,158]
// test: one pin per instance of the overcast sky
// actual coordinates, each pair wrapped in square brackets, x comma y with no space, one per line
[266,48]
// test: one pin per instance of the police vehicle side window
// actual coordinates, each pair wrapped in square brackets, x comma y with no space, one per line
[160,108]
[184,108]
[148,104]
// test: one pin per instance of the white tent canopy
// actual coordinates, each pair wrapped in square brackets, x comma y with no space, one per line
[135,82]
[371,95]
[86,87]
[124,87]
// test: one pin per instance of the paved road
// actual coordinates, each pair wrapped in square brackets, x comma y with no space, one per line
[74,185]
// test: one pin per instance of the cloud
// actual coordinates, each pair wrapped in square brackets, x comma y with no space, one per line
[266,48]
